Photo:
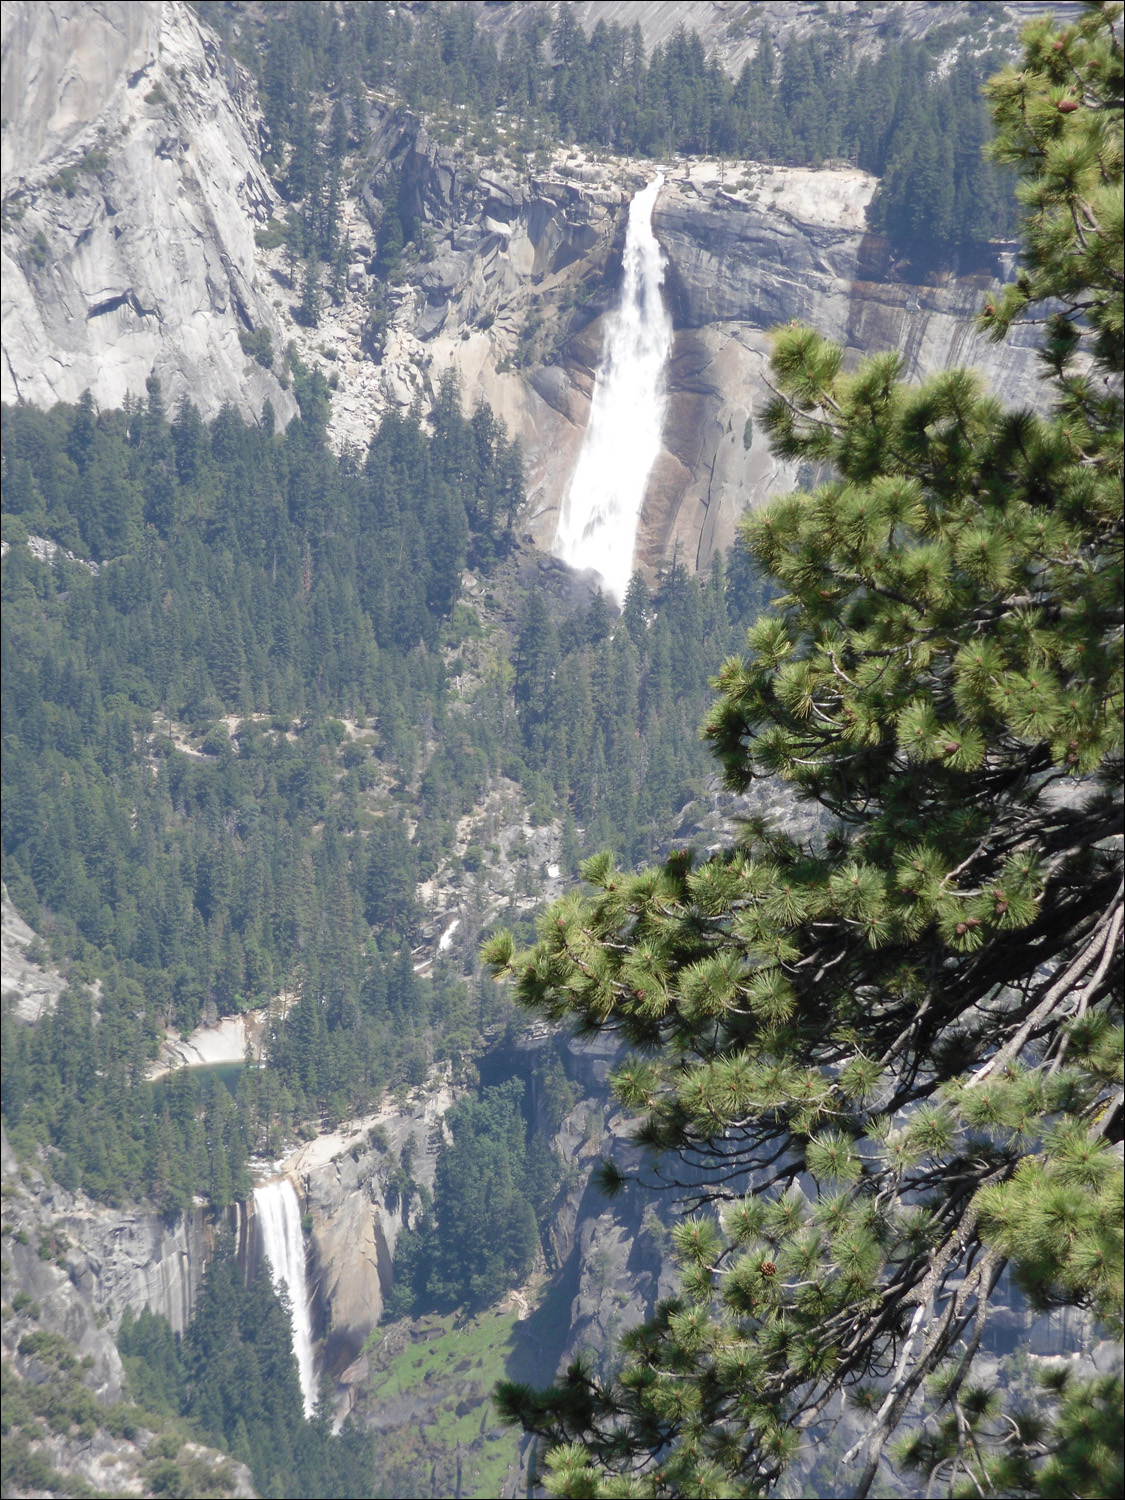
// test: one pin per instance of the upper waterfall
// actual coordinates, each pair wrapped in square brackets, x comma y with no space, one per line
[598,520]
[283,1244]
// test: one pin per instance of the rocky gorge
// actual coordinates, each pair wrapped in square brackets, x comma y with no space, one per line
[136,211]
[72,1267]
[140,240]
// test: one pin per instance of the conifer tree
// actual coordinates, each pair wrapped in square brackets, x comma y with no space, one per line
[312,298]
[878,1050]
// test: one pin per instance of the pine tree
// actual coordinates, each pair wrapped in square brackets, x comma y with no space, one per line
[312,297]
[883,1041]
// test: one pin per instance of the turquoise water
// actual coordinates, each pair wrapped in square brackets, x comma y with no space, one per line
[206,1075]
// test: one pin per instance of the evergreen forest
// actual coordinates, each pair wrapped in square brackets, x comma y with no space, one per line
[255,689]
[921,130]
[493,1191]
[232,1380]
[244,706]
[297,616]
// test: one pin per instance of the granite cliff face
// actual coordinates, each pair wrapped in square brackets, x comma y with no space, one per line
[132,186]
[520,269]
[31,989]
[349,1186]
[512,265]
[610,1257]
[71,1267]
[784,244]
[101,1261]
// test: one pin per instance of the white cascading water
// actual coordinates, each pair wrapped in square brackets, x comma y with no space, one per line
[598,520]
[278,1213]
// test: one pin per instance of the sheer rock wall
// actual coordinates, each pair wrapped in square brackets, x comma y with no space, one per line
[104,1261]
[356,1213]
[521,270]
[133,186]
[791,244]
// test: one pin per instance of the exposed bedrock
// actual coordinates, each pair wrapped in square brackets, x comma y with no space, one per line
[133,187]
[102,1261]
[526,269]
[356,1200]
[742,264]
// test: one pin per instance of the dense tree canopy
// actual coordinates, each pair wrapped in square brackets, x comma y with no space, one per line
[479,1235]
[233,1378]
[231,578]
[883,1064]
[244,712]
[815,99]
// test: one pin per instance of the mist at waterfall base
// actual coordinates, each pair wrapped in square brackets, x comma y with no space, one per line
[598,519]
[282,1240]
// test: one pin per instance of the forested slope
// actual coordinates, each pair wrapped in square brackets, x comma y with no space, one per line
[246,710]
[887,107]
[273,714]
[246,723]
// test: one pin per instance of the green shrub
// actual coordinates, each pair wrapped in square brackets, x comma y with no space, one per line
[258,345]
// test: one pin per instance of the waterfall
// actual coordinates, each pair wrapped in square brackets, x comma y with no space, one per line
[283,1244]
[598,520]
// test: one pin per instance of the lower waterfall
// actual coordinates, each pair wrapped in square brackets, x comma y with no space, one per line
[282,1242]
[598,520]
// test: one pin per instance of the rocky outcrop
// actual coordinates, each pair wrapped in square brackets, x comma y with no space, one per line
[353,1190]
[82,1264]
[79,1262]
[111,1464]
[133,187]
[70,1268]
[219,1043]
[31,988]
[512,267]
